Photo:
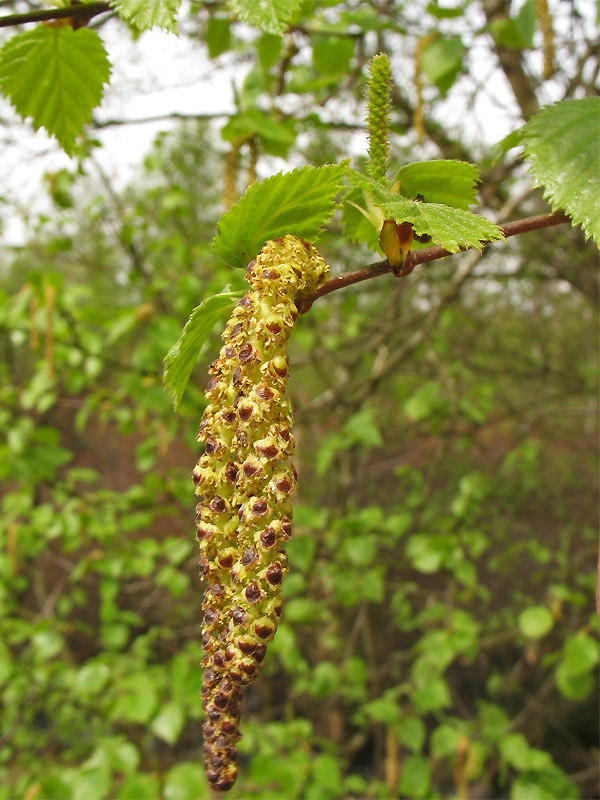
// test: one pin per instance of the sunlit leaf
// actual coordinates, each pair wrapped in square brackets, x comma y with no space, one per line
[56,77]
[332,54]
[562,144]
[535,622]
[181,358]
[415,777]
[453,183]
[218,35]
[168,723]
[146,14]
[516,31]
[355,225]
[300,202]
[277,136]
[185,781]
[271,16]
[441,61]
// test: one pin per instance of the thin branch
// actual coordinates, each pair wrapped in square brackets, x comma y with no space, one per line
[159,118]
[177,115]
[431,254]
[82,11]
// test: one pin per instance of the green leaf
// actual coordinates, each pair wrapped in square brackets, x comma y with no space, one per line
[300,202]
[445,741]
[91,783]
[494,721]
[361,428]
[355,225]
[451,228]
[516,31]
[427,553]
[581,653]
[515,750]
[218,35]
[136,786]
[513,139]
[185,781]
[550,784]
[442,12]
[441,61]
[168,723]
[384,709]
[535,622]
[55,76]
[47,644]
[453,183]
[562,144]
[432,696]
[302,610]
[415,777]
[181,358]
[424,402]
[268,47]
[122,755]
[573,685]
[332,54]
[271,16]
[136,700]
[574,677]
[146,14]
[327,776]
[277,136]
[359,550]
[324,680]
[411,733]
[92,678]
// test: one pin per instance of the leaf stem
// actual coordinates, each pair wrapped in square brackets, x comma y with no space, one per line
[430,254]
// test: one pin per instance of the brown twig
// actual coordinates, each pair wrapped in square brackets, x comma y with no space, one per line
[81,11]
[431,254]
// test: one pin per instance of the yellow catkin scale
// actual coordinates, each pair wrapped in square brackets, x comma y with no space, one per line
[244,482]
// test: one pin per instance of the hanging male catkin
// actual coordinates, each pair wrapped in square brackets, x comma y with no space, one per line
[244,481]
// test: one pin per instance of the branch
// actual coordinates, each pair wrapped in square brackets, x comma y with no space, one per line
[431,254]
[176,115]
[83,10]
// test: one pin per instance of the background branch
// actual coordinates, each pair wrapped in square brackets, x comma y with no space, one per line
[82,11]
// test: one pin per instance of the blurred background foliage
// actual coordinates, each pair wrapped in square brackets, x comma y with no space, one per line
[438,637]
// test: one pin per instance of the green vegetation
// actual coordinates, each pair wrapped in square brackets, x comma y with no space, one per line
[438,637]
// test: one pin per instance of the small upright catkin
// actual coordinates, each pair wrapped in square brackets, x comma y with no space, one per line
[244,482]
[378,119]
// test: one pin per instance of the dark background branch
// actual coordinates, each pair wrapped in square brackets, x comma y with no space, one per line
[82,11]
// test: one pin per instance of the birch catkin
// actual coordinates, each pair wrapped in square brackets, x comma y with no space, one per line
[244,481]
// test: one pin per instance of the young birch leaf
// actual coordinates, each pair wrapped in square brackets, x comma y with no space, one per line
[146,14]
[355,225]
[451,228]
[56,77]
[298,202]
[271,16]
[562,144]
[453,183]
[181,358]
[442,60]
